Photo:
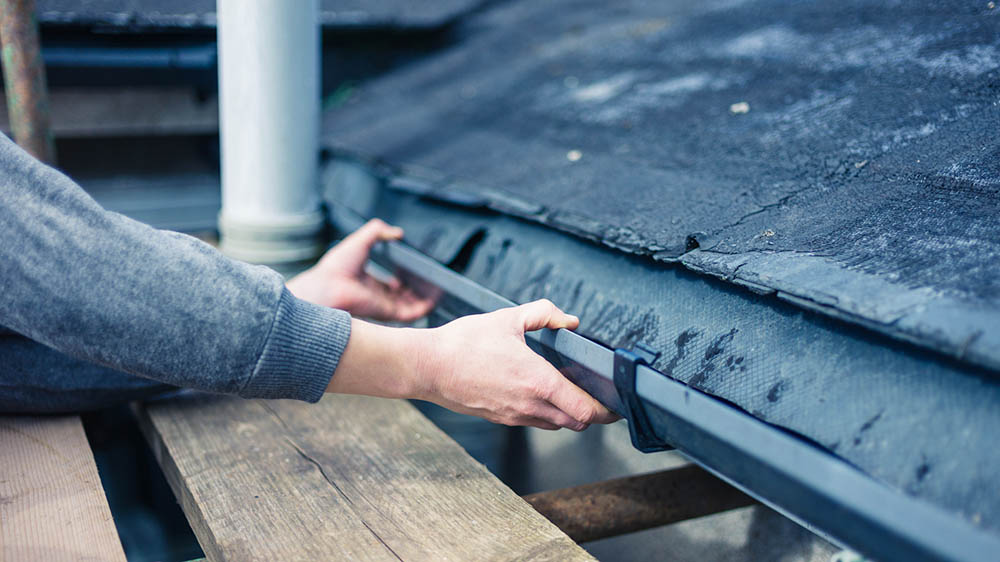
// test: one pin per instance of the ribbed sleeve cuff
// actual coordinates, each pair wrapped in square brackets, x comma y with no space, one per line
[301,352]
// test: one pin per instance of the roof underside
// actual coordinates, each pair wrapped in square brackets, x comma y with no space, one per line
[842,155]
[144,15]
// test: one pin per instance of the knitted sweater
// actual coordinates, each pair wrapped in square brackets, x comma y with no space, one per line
[96,308]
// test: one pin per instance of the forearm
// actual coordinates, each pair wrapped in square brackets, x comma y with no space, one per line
[478,365]
[381,361]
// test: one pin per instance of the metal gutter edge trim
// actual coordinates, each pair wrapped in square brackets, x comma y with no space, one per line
[809,485]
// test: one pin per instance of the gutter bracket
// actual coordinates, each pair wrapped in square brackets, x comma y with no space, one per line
[639,428]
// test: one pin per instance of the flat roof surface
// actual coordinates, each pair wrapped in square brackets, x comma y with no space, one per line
[844,155]
[836,158]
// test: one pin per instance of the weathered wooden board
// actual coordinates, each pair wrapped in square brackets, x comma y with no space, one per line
[52,505]
[348,478]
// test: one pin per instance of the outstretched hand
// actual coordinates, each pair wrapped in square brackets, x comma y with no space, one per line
[339,280]
[478,365]
[483,367]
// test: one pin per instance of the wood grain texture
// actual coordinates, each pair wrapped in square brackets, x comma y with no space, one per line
[348,478]
[52,505]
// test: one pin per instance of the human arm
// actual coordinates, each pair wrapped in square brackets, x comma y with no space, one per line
[478,365]
[98,286]
[339,280]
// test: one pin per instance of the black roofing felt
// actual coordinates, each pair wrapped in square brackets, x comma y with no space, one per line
[145,14]
[845,155]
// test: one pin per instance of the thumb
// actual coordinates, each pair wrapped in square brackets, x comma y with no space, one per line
[543,314]
[373,232]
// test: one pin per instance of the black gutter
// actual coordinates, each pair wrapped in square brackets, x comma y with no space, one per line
[805,482]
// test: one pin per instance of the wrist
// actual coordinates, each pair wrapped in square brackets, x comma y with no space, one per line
[410,349]
[307,286]
[426,361]
[381,361]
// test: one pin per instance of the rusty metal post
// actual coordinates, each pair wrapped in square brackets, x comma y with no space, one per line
[625,505]
[24,79]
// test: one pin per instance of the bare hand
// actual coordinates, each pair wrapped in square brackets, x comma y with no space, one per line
[339,280]
[482,366]
[478,365]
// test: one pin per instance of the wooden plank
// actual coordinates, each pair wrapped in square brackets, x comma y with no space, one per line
[52,505]
[349,478]
[108,112]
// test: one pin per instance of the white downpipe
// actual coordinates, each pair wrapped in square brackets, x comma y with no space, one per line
[269,113]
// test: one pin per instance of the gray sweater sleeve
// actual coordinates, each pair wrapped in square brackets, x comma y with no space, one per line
[98,286]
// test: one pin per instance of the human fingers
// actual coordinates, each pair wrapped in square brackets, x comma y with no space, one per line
[373,232]
[573,400]
[543,314]
[396,303]
[540,424]
[394,283]
[540,415]
[365,298]
[549,413]
[411,307]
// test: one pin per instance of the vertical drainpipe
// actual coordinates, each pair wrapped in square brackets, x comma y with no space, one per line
[269,94]
[24,79]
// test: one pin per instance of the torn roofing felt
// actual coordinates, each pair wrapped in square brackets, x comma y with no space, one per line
[193,14]
[843,155]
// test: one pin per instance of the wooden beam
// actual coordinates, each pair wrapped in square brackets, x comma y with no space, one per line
[52,505]
[625,505]
[24,77]
[348,478]
[128,111]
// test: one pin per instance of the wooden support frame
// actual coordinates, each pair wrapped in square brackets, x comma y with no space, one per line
[349,478]
[625,505]
[24,79]
[52,505]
